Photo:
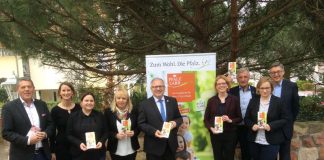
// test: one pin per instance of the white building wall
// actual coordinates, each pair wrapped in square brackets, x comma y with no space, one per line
[44,77]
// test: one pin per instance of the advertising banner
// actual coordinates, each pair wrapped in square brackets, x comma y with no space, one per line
[190,79]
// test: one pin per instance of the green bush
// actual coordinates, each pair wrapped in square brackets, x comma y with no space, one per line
[3,95]
[51,104]
[310,109]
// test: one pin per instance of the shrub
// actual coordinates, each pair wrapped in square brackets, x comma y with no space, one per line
[3,95]
[310,109]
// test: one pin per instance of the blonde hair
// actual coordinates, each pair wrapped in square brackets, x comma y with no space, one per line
[123,92]
[225,79]
[264,80]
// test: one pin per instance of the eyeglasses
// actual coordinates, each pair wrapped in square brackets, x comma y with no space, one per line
[265,88]
[156,87]
[275,73]
[221,84]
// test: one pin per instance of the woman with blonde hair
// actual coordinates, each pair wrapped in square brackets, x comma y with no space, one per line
[225,107]
[266,117]
[122,127]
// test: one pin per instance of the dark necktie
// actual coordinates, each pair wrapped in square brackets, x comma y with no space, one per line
[162,111]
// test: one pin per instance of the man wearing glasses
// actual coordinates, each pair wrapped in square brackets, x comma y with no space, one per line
[288,92]
[153,112]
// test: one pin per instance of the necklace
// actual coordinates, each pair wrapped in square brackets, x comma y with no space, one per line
[68,107]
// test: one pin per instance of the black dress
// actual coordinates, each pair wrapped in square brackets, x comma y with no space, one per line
[78,124]
[59,143]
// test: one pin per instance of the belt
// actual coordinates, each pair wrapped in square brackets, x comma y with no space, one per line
[38,150]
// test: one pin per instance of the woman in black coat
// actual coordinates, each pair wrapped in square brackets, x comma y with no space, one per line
[265,133]
[122,127]
[86,131]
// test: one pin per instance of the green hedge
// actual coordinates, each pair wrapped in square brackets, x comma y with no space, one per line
[311,109]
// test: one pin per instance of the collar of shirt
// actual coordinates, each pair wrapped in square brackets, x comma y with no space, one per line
[24,103]
[157,100]
[86,116]
[248,89]
[279,85]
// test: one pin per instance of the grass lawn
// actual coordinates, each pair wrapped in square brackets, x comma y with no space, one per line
[205,155]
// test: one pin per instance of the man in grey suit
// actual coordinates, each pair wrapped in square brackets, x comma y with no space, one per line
[27,124]
[288,93]
[153,112]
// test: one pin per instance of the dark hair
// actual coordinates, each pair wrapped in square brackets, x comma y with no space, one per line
[67,84]
[86,94]
[24,79]
[277,64]
[185,116]
[184,141]
[182,154]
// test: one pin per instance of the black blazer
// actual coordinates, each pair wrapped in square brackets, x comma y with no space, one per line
[277,118]
[16,124]
[232,110]
[150,120]
[111,119]
[75,131]
[235,91]
[289,96]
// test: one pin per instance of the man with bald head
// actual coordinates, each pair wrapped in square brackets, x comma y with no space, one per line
[153,112]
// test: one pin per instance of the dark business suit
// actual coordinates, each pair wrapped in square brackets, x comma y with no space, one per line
[223,143]
[277,118]
[150,120]
[16,125]
[242,130]
[289,96]
[111,119]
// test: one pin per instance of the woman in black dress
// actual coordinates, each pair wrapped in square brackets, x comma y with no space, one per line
[86,131]
[122,127]
[60,114]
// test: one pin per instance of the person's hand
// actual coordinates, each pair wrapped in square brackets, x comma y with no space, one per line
[226,119]
[129,133]
[99,145]
[34,139]
[53,156]
[267,127]
[121,135]
[214,130]
[174,124]
[41,135]
[255,127]
[158,134]
[83,147]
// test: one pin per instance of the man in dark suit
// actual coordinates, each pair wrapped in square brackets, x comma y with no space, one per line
[288,92]
[153,112]
[244,92]
[27,124]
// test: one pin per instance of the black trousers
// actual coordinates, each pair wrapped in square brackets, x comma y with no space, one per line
[263,152]
[284,150]
[242,133]
[128,157]
[167,155]
[39,155]
[224,145]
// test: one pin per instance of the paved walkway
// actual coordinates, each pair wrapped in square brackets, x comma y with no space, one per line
[4,149]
